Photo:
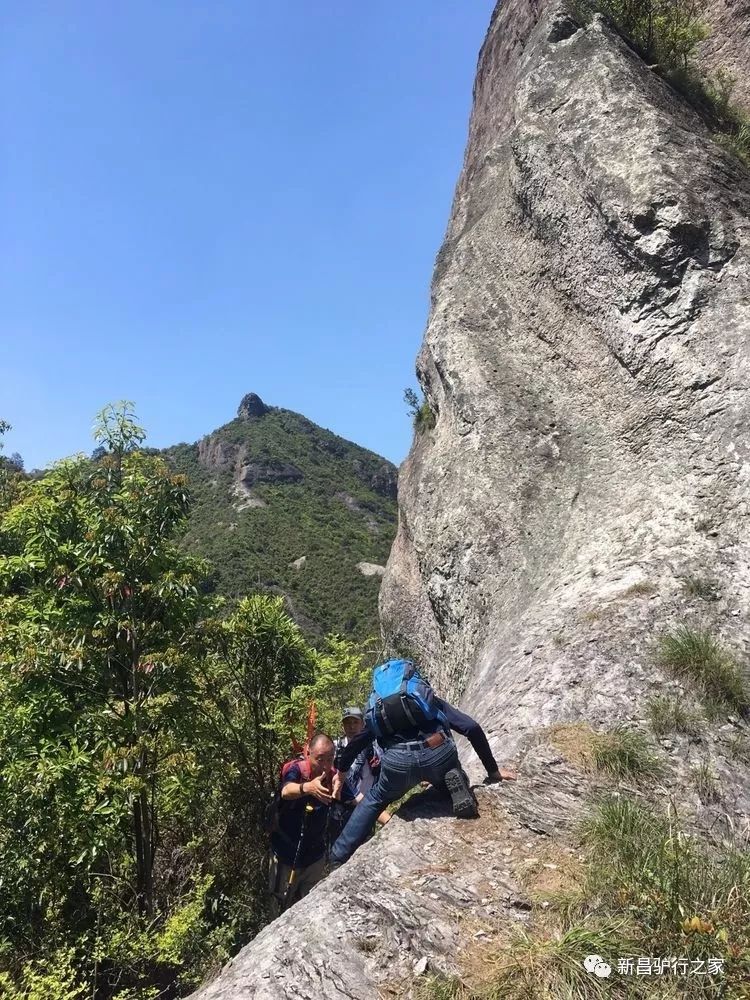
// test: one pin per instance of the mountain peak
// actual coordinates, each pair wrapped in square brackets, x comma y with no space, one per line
[252,406]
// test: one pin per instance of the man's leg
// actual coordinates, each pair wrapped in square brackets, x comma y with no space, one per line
[470,728]
[308,877]
[442,765]
[398,773]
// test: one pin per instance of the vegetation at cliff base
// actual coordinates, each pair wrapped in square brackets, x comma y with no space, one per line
[142,724]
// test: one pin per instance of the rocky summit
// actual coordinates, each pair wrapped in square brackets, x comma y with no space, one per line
[583,493]
[284,506]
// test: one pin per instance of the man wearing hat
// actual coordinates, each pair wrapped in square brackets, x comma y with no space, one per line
[361,776]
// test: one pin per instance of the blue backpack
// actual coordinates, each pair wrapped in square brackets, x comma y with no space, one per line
[401,701]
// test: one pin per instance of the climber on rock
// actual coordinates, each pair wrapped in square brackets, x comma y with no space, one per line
[360,777]
[405,717]
[298,840]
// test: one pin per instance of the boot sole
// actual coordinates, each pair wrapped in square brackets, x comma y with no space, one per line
[464,801]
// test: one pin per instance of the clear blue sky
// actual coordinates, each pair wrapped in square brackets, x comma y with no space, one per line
[200,199]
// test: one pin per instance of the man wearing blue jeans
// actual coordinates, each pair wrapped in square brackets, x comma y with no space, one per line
[405,763]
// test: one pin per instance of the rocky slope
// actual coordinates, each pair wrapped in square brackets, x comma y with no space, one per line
[587,359]
[289,507]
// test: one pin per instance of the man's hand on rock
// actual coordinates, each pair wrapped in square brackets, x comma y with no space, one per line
[502,774]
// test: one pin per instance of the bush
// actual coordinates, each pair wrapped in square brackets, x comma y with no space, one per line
[695,654]
[665,32]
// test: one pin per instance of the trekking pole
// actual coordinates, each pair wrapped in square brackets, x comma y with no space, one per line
[293,872]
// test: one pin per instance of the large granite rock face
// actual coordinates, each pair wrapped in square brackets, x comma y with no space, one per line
[587,358]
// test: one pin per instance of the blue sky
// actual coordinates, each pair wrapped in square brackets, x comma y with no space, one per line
[203,199]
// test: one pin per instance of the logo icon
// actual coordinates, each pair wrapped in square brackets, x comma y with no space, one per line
[597,965]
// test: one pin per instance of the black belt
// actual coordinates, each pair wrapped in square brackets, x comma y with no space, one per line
[435,740]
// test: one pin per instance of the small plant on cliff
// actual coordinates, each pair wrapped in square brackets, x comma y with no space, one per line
[703,587]
[668,715]
[696,654]
[423,417]
[624,753]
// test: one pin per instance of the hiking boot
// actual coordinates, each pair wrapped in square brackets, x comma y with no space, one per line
[464,800]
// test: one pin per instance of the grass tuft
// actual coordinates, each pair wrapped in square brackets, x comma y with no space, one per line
[703,587]
[552,966]
[706,783]
[624,753]
[697,655]
[441,987]
[620,752]
[669,715]
[643,588]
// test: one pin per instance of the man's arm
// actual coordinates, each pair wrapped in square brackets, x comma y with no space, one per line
[351,751]
[470,728]
[295,788]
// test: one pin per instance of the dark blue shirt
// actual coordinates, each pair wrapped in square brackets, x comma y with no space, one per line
[292,816]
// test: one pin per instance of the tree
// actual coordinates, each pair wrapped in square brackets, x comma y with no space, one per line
[98,623]
[140,734]
[341,676]
[420,411]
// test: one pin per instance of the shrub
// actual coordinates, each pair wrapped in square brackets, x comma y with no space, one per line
[423,417]
[665,32]
[697,655]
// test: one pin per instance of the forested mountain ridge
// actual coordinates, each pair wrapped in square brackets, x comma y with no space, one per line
[283,505]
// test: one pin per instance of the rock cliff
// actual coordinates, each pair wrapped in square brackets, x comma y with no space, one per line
[587,359]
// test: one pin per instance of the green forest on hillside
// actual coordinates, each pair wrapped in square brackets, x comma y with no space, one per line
[143,720]
[341,512]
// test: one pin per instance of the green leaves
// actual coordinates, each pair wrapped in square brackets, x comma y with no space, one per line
[139,733]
